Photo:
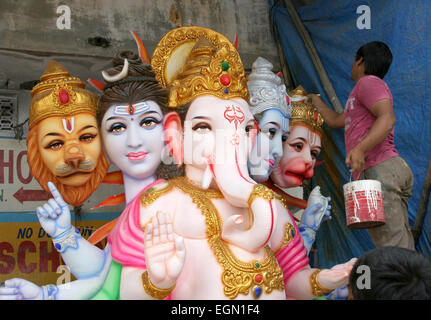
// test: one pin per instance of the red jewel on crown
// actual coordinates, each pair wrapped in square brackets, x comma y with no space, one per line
[63,96]
[225,80]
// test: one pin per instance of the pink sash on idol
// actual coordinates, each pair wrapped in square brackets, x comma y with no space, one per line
[127,237]
[293,257]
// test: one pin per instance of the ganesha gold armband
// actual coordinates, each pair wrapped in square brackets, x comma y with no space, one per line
[152,290]
[260,191]
[316,287]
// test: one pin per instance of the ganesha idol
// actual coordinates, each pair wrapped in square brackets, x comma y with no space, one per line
[63,142]
[217,213]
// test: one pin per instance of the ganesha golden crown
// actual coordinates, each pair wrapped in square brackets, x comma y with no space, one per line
[195,61]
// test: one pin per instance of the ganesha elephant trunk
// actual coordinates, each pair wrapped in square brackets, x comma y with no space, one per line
[249,231]
[257,232]
[228,164]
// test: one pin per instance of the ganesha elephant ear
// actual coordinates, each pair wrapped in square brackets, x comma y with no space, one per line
[174,136]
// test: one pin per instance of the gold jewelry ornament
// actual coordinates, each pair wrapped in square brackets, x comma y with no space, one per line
[59,94]
[196,61]
[238,277]
[304,113]
[289,234]
[260,191]
[152,290]
[316,287]
[152,194]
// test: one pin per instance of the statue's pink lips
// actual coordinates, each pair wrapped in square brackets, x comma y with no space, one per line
[136,155]
[270,162]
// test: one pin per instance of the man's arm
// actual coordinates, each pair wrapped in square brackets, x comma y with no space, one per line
[385,121]
[331,117]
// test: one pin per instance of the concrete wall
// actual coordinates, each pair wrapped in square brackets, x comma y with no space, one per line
[33,26]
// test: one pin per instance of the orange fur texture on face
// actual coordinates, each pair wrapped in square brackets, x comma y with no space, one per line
[74,196]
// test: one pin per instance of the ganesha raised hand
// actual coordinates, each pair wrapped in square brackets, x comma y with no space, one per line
[336,277]
[164,256]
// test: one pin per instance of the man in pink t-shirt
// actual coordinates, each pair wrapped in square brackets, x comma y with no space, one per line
[368,121]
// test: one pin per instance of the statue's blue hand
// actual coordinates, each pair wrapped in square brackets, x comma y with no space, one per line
[54,216]
[20,289]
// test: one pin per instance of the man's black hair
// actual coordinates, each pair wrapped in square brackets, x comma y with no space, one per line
[377,58]
[395,274]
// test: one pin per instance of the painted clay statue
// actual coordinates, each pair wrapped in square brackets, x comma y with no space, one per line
[216,213]
[300,151]
[63,142]
[130,118]
[271,107]
[299,156]
[227,220]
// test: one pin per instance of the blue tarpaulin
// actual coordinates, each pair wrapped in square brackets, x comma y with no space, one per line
[332,24]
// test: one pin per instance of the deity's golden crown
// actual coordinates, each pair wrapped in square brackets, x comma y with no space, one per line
[196,61]
[303,112]
[59,94]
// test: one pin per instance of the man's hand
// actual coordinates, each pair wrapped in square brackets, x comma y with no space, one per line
[331,117]
[315,100]
[355,159]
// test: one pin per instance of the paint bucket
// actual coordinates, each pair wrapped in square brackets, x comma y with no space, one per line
[364,204]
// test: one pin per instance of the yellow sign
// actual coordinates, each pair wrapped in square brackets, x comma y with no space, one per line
[27,252]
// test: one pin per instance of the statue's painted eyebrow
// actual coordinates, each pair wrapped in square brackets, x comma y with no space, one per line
[201,117]
[54,134]
[115,118]
[275,124]
[149,112]
[87,127]
[300,138]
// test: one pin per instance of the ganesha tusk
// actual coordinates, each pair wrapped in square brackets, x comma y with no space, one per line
[206,178]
